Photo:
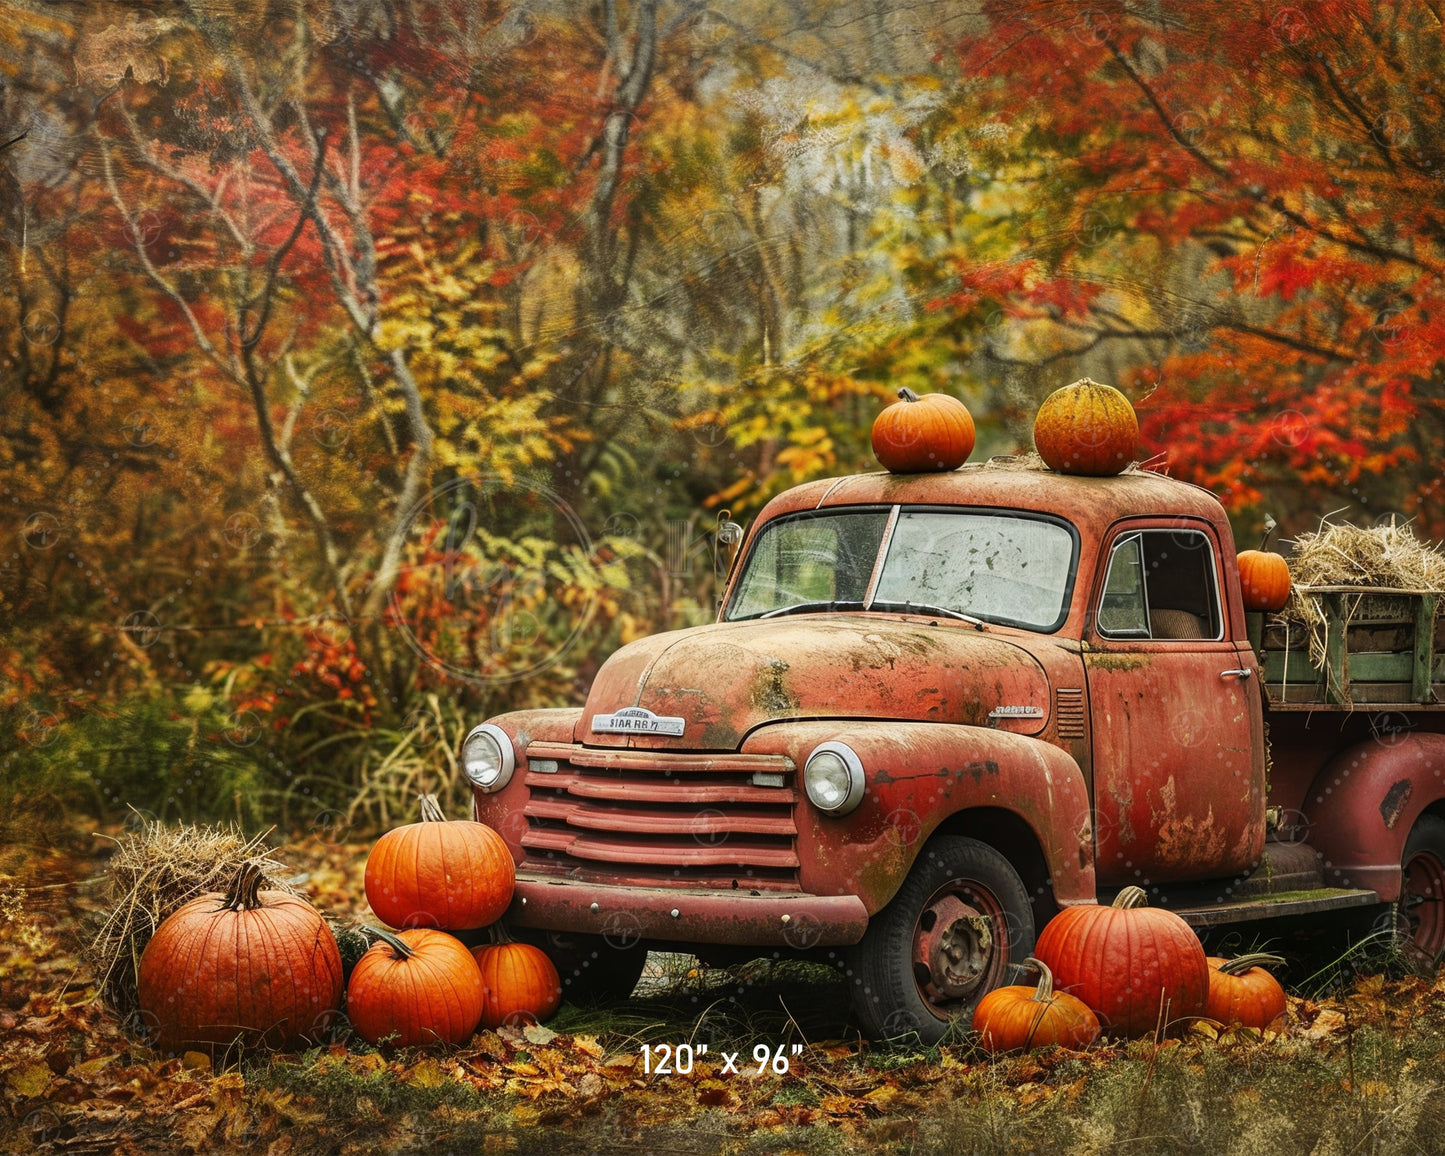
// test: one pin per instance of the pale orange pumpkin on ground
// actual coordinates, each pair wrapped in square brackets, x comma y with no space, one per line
[1022,1017]
[1137,967]
[1241,991]
[453,875]
[519,981]
[926,434]
[251,965]
[1086,428]
[415,987]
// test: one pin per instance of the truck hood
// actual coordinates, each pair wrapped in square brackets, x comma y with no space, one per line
[724,680]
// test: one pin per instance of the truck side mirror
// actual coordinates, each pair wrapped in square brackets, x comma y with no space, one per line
[727,540]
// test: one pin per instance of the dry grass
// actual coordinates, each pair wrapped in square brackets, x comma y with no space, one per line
[155,870]
[1386,556]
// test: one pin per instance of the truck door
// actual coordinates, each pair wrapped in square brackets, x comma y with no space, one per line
[1178,770]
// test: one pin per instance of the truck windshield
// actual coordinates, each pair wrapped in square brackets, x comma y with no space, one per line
[1005,568]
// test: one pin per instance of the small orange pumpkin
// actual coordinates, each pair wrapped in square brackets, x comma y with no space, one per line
[917,435]
[1241,991]
[1133,964]
[1086,428]
[416,987]
[1022,1017]
[518,981]
[1263,580]
[437,873]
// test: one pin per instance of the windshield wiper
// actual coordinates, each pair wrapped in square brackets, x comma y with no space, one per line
[808,608]
[927,608]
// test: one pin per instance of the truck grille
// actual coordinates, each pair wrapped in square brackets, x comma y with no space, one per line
[661,818]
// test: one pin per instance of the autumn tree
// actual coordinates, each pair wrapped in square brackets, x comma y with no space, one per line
[1235,211]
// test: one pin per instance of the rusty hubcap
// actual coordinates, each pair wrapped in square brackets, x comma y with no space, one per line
[1422,903]
[960,946]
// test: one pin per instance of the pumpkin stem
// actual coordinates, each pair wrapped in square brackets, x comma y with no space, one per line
[1269,525]
[498,934]
[1131,897]
[1241,964]
[399,947]
[1044,993]
[431,810]
[906,394]
[244,894]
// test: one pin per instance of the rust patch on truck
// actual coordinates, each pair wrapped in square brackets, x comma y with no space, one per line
[1395,801]
[770,695]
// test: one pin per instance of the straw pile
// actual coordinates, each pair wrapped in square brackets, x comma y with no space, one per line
[155,870]
[1387,555]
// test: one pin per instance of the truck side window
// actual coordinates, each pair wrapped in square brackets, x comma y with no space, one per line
[1123,612]
[1161,585]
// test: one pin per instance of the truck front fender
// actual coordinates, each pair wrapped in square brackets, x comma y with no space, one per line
[920,774]
[1363,802]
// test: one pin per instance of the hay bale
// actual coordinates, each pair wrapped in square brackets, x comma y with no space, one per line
[155,870]
[1387,556]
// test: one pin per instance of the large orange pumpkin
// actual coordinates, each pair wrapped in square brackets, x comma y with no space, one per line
[415,987]
[258,966]
[917,435]
[1022,1017]
[438,873]
[1242,992]
[1086,428]
[1136,966]
[518,981]
[1263,580]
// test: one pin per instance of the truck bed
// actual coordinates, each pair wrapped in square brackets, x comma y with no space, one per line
[1382,648]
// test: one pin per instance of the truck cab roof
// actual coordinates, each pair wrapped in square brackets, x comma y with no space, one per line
[1023,483]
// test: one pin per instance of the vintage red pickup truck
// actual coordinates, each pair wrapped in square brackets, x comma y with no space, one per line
[937,708]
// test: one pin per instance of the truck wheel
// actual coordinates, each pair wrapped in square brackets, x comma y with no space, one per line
[960,919]
[1422,891]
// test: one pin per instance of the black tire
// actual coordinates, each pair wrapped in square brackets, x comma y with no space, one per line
[593,969]
[1421,910]
[962,903]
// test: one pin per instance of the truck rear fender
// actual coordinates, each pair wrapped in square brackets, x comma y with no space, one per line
[1363,802]
[921,776]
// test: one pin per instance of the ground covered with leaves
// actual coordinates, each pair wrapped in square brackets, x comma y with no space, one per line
[1357,1070]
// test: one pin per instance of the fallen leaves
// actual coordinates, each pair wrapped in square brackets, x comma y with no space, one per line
[68,1068]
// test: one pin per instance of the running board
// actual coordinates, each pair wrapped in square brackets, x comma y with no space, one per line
[1275,906]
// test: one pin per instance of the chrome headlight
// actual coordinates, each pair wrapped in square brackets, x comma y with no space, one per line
[487,757]
[833,778]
